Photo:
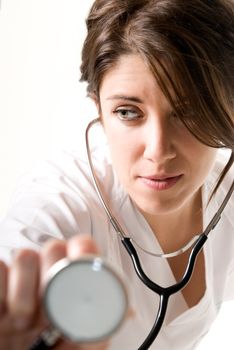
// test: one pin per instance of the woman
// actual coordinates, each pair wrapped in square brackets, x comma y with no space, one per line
[161,73]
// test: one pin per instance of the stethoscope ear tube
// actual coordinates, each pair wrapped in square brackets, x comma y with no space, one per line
[163,292]
[197,244]
[70,313]
[154,286]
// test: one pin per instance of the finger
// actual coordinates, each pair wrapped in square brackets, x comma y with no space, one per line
[80,245]
[65,345]
[23,282]
[53,251]
[97,346]
[3,287]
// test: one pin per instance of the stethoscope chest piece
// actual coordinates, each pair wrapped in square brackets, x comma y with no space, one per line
[85,299]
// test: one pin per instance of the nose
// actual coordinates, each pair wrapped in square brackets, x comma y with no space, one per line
[159,144]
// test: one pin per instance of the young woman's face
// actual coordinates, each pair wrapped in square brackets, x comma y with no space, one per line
[159,162]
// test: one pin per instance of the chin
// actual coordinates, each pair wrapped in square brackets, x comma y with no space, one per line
[164,202]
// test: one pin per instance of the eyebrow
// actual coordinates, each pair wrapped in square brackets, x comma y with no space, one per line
[125,98]
[138,100]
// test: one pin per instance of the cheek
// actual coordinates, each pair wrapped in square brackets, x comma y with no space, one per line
[201,157]
[121,141]
[122,156]
[193,149]
[208,160]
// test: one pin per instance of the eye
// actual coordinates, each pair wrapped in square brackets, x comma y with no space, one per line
[127,114]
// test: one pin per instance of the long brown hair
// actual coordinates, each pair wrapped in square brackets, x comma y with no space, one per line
[191,40]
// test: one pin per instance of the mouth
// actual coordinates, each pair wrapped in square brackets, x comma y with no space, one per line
[160,183]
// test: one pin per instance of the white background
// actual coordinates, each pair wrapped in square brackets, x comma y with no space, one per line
[42,104]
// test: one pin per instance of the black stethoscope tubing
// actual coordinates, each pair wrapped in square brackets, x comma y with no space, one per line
[163,292]
[49,337]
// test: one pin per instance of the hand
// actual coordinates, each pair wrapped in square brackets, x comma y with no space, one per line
[21,314]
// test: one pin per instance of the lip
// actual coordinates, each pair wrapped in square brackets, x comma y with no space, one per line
[160,182]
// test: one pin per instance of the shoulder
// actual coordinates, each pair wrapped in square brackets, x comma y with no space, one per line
[55,199]
[60,190]
[222,239]
[66,171]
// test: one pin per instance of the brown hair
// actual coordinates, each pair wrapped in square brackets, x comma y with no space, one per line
[191,40]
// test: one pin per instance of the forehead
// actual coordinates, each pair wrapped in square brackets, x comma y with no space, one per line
[131,74]
[128,69]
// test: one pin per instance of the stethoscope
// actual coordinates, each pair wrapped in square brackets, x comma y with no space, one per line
[86,300]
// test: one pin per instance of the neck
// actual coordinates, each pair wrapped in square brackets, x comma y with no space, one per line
[173,230]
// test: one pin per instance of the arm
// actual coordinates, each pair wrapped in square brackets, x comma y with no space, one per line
[21,314]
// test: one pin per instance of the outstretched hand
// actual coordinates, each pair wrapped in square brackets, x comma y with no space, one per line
[22,317]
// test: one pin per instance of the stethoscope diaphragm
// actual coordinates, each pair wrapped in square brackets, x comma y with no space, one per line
[86,299]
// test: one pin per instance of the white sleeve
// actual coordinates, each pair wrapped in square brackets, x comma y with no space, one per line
[49,202]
